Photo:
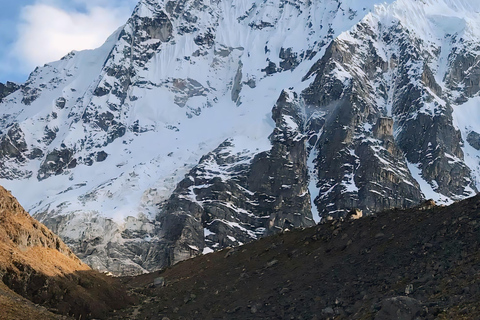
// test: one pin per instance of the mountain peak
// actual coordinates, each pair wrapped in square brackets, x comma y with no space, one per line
[433,19]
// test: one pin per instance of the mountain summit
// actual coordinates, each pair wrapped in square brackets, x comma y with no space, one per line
[205,124]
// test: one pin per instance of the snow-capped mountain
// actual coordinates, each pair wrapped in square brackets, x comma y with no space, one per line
[204,124]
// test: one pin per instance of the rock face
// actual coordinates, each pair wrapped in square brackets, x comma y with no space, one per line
[232,199]
[386,118]
[202,125]
[7,88]
[20,230]
[473,139]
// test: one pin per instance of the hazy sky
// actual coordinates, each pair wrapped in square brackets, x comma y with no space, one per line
[34,32]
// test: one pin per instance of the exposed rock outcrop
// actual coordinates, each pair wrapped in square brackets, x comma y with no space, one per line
[229,198]
[7,88]
[385,117]
[473,139]
[56,162]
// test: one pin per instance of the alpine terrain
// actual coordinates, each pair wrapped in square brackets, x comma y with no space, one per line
[40,277]
[205,124]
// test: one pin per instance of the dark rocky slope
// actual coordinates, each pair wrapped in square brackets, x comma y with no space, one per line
[422,263]
[14,306]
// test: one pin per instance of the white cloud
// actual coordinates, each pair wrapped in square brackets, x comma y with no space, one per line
[47,32]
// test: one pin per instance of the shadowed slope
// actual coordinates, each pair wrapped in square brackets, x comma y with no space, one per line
[426,259]
[14,306]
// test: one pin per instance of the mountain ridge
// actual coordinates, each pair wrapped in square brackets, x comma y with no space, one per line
[208,125]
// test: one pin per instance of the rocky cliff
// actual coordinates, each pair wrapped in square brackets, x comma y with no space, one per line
[387,110]
[205,124]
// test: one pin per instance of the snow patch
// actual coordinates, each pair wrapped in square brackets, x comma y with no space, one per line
[427,189]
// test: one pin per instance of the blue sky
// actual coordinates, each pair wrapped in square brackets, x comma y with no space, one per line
[35,32]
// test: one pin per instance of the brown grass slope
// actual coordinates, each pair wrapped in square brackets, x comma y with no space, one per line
[427,260]
[37,265]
